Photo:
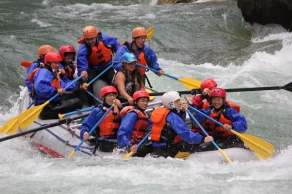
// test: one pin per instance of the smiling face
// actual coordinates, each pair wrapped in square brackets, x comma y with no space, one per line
[217,102]
[110,97]
[142,103]
[90,41]
[55,65]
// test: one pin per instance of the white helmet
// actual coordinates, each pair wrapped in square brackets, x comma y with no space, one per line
[168,99]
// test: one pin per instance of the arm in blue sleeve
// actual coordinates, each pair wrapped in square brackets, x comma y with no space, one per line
[28,72]
[91,120]
[126,128]
[239,123]
[110,40]
[82,61]
[182,129]
[117,63]
[151,56]
[42,83]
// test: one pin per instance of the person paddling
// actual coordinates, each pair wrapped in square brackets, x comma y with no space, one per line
[145,55]
[42,51]
[94,56]
[169,126]
[46,83]
[128,80]
[223,112]
[106,132]
[134,125]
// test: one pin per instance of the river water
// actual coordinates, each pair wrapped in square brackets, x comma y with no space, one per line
[207,39]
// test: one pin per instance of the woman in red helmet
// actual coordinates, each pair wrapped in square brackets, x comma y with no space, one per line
[46,83]
[202,101]
[134,124]
[107,130]
[143,53]
[228,116]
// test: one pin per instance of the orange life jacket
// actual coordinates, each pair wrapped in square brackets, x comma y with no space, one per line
[55,82]
[69,71]
[158,117]
[142,60]
[99,54]
[109,126]
[139,130]
[216,130]
[205,124]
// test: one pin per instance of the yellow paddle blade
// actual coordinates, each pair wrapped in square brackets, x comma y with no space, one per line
[72,154]
[182,155]
[149,92]
[150,33]
[263,149]
[10,127]
[225,155]
[128,155]
[30,115]
[190,83]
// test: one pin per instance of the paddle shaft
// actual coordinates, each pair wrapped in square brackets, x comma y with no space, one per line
[90,132]
[100,101]
[155,71]
[100,74]
[144,139]
[59,122]
[215,121]
[77,112]
[213,142]
[71,83]
[287,87]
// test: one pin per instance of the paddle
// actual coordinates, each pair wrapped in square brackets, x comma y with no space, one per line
[76,112]
[26,64]
[262,149]
[150,33]
[213,142]
[59,122]
[90,132]
[287,87]
[28,116]
[189,83]
[128,155]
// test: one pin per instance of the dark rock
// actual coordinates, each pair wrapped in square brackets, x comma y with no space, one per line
[267,12]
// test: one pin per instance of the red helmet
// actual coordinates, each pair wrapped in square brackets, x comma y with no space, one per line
[67,49]
[52,57]
[208,83]
[107,89]
[140,94]
[218,92]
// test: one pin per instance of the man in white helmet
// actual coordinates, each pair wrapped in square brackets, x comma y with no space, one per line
[169,126]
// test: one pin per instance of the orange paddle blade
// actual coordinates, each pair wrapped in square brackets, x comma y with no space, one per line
[26,64]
